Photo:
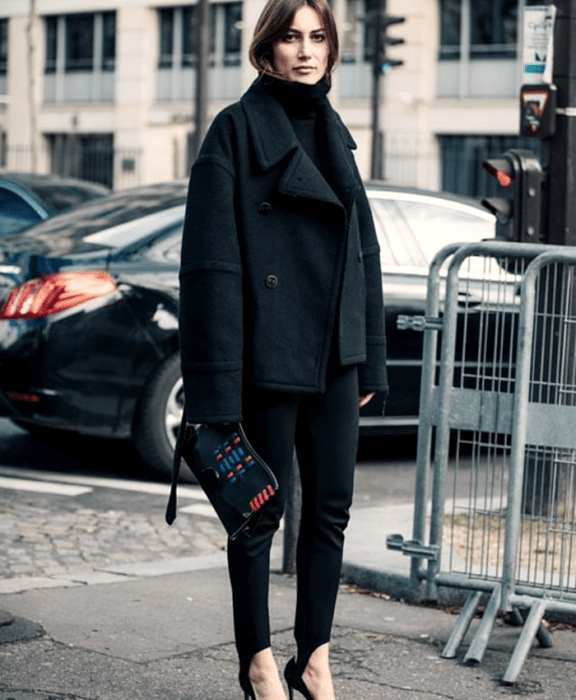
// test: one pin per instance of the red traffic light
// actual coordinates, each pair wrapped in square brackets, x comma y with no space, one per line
[502,169]
[518,209]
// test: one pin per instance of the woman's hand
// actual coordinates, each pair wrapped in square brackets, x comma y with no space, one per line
[365,399]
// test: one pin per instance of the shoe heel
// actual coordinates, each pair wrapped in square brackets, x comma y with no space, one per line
[247,687]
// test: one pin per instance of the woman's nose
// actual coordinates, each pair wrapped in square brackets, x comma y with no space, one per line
[305,47]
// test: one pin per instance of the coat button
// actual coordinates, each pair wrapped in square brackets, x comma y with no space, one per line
[271,281]
[265,208]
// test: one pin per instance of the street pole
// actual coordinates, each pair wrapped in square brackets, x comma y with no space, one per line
[201,98]
[543,478]
[562,147]
[376,161]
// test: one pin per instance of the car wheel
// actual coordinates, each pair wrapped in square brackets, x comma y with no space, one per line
[158,418]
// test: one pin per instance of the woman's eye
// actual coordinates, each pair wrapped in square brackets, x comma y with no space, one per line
[290,37]
[319,38]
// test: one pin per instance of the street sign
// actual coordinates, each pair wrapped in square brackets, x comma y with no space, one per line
[538,43]
[538,110]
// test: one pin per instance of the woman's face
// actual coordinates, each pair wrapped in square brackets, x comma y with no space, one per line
[301,55]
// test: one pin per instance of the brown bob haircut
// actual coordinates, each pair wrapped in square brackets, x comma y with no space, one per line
[274,23]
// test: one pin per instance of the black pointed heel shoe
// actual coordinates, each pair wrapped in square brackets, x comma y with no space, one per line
[248,691]
[246,686]
[295,682]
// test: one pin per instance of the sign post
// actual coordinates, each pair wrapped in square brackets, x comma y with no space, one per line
[550,56]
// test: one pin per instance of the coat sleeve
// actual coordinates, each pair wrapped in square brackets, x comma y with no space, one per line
[210,315]
[372,373]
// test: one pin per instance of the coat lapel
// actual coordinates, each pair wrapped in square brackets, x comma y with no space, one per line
[274,140]
[303,179]
[269,127]
[339,143]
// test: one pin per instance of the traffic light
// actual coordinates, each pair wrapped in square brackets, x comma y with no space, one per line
[518,208]
[382,62]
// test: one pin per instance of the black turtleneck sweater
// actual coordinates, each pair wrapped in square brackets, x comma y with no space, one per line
[303,105]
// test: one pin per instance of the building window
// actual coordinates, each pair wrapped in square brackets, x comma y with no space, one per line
[450,28]
[51,43]
[480,29]
[370,8]
[3,59]
[3,149]
[179,35]
[87,156]
[81,42]
[190,33]
[232,33]
[166,16]
[3,46]
[357,39]
[494,28]
[108,41]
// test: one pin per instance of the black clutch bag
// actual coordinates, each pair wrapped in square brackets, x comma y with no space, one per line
[236,480]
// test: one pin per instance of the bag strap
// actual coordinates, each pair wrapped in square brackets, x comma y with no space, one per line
[171,507]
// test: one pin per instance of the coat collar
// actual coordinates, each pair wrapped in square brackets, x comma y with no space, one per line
[274,140]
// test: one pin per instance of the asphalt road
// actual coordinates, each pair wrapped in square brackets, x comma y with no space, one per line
[68,453]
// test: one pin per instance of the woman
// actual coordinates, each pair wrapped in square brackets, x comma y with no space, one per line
[281,321]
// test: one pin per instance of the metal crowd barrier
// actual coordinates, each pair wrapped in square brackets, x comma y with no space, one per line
[498,405]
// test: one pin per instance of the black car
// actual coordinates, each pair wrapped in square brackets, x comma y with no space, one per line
[88,325]
[27,198]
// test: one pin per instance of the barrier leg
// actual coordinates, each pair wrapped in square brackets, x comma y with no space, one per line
[529,631]
[542,635]
[462,623]
[480,641]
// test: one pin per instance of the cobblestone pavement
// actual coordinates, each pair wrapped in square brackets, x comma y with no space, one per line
[111,523]
[48,535]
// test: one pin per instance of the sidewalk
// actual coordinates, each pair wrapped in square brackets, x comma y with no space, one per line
[170,637]
[162,629]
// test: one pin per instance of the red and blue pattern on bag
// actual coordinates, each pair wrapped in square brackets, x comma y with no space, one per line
[234,461]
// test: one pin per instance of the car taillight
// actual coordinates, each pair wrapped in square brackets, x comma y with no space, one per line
[52,293]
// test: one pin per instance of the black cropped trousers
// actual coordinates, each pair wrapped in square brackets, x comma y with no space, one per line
[324,430]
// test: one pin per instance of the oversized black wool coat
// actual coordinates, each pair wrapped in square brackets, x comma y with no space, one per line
[276,263]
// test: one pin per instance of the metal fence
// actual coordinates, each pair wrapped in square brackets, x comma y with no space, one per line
[449,163]
[93,159]
[498,399]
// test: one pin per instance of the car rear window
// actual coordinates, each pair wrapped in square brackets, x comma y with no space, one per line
[58,198]
[107,222]
[15,213]
[130,232]
[412,231]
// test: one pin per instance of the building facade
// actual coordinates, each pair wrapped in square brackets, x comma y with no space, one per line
[104,89]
